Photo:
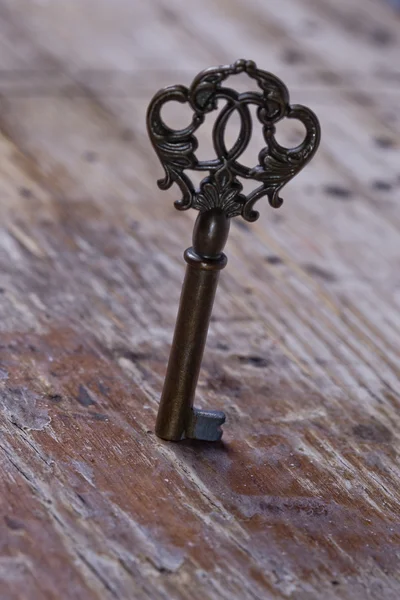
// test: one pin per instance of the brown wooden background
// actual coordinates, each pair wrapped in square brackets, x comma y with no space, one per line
[301,502]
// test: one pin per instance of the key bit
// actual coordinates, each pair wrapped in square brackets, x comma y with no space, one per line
[218,199]
[205,425]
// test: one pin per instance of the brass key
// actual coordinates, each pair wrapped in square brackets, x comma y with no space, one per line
[219,198]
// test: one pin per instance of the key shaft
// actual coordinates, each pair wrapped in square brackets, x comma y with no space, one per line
[176,417]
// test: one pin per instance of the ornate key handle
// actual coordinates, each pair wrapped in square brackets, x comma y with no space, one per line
[218,199]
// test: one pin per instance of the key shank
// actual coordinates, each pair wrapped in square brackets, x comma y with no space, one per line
[177,418]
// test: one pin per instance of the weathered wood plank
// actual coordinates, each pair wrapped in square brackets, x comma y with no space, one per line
[302,499]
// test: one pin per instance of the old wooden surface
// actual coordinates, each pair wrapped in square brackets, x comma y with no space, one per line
[302,499]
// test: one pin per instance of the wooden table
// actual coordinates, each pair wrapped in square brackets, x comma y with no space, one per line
[302,499]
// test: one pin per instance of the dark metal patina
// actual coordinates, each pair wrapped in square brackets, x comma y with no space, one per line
[219,198]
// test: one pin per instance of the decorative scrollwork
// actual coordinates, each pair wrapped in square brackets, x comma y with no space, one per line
[176,149]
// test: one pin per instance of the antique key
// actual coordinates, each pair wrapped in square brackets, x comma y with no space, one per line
[219,198]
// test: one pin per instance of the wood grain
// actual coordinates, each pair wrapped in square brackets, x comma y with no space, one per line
[301,501]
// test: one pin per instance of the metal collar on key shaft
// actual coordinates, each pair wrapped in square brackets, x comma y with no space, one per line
[219,198]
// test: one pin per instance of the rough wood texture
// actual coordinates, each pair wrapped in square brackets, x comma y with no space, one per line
[302,499]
